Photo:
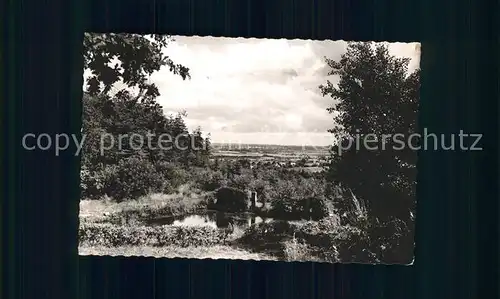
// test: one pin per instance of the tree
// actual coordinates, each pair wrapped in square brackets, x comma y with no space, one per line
[140,56]
[125,112]
[133,110]
[124,117]
[375,95]
[200,147]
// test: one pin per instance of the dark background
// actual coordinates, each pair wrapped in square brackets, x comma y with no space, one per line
[457,228]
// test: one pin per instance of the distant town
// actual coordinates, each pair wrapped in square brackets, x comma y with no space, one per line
[308,158]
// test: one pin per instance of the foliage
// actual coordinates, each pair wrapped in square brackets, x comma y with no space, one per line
[375,95]
[241,181]
[135,177]
[208,180]
[267,235]
[119,119]
[95,184]
[173,175]
[165,138]
[298,197]
[117,235]
[231,199]
[111,118]
[295,250]
[139,57]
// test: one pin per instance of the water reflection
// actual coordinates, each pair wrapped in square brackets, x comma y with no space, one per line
[212,219]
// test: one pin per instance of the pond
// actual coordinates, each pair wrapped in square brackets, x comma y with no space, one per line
[211,218]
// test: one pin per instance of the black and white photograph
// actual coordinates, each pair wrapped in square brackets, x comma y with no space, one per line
[249,149]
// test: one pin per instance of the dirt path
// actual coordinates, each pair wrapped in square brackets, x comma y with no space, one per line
[213,252]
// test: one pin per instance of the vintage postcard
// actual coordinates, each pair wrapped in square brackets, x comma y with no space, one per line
[261,149]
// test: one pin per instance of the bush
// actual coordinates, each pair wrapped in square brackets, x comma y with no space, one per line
[98,183]
[89,184]
[268,235]
[368,242]
[331,241]
[293,198]
[392,242]
[231,200]
[286,208]
[282,190]
[241,181]
[208,180]
[262,188]
[173,175]
[295,250]
[135,177]
[320,208]
[130,178]
[115,235]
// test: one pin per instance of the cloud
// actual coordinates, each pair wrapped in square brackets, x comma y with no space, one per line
[256,90]
[249,88]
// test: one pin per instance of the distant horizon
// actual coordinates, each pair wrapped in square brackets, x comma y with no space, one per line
[275,139]
[267,144]
[242,146]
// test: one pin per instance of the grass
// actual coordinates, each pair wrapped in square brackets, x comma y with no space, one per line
[294,250]
[152,205]
[198,252]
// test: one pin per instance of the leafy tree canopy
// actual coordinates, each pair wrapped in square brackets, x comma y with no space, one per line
[375,95]
[139,55]
[123,113]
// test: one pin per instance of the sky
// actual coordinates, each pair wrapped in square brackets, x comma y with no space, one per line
[258,91]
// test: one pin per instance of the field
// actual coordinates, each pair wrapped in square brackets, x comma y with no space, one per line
[307,158]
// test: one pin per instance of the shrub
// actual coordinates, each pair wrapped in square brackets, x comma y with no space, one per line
[269,237]
[173,175]
[331,241]
[262,188]
[369,242]
[98,183]
[231,200]
[295,250]
[115,235]
[320,208]
[89,186]
[329,223]
[285,208]
[241,181]
[293,198]
[392,242]
[208,180]
[135,177]
[282,190]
